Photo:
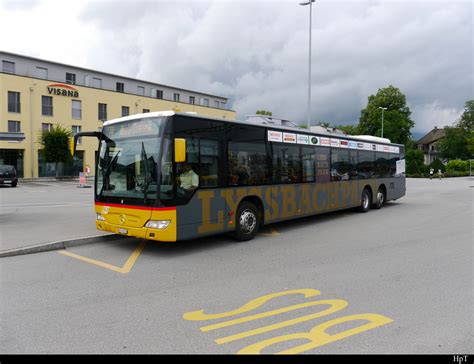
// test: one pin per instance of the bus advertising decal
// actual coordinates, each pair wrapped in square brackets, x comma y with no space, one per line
[313,140]
[325,141]
[352,145]
[275,136]
[302,139]
[289,138]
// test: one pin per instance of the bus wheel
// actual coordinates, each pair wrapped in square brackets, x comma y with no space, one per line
[247,221]
[380,199]
[365,201]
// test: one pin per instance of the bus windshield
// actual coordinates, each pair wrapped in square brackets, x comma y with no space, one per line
[128,156]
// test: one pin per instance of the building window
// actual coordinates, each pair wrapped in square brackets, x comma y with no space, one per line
[159,94]
[47,105]
[14,102]
[222,105]
[102,112]
[205,102]
[125,111]
[176,97]
[8,66]
[192,100]
[216,104]
[146,111]
[14,126]
[76,109]
[96,82]
[42,72]
[71,78]
[76,129]
[120,87]
[141,90]
[46,126]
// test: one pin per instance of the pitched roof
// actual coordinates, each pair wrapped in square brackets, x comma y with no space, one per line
[433,136]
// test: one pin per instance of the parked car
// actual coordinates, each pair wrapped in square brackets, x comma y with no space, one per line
[8,175]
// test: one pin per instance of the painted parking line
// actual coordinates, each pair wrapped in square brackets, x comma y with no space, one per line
[316,337]
[126,268]
[272,232]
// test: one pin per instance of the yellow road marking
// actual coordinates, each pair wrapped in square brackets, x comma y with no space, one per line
[336,305]
[316,337]
[273,232]
[268,314]
[127,267]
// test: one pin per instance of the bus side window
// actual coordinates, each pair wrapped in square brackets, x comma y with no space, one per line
[366,164]
[382,165]
[340,166]
[208,162]
[286,164]
[247,159]
[247,163]
[309,163]
[353,165]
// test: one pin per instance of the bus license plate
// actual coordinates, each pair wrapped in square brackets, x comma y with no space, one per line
[123,231]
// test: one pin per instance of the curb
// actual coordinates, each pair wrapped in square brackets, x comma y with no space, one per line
[57,245]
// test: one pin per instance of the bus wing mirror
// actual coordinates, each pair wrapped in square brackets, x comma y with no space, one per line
[179,150]
[73,142]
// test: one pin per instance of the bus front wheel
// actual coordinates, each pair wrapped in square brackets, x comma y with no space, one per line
[247,221]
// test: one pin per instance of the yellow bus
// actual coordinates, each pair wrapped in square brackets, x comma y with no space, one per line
[169,176]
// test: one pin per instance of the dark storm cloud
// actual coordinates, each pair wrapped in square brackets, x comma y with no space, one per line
[255,53]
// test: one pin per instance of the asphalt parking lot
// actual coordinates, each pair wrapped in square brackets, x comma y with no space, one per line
[396,280]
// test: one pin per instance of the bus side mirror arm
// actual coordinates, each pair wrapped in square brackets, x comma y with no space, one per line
[179,150]
[96,134]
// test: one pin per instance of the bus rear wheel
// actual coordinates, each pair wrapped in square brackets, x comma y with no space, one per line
[365,201]
[379,199]
[247,221]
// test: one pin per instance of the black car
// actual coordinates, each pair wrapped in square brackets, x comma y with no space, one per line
[8,175]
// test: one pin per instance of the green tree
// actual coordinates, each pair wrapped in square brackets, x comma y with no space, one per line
[414,162]
[55,145]
[467,118]
[455,144]
[397,122]
[459,140]
[263,112]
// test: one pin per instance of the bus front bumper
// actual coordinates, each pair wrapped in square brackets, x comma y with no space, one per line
[142,233]
[153,231]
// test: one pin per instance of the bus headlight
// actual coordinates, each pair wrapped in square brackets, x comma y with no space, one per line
[100,217]
[158,224]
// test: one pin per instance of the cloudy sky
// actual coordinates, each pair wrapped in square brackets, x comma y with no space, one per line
[256,52]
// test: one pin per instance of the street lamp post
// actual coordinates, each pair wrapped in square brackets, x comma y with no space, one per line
[382,108]
[310,3]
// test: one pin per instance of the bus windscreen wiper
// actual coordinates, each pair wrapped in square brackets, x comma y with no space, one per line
[145,163]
